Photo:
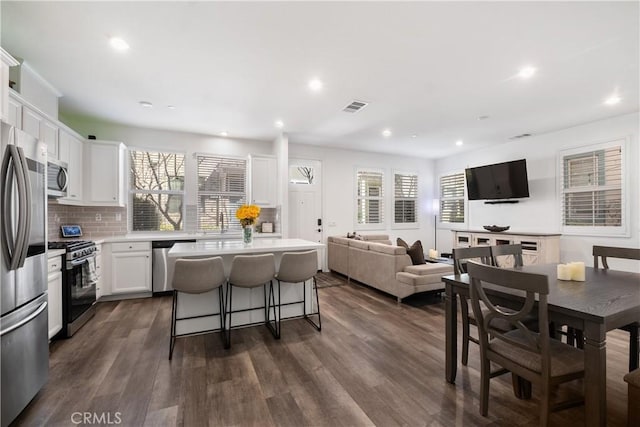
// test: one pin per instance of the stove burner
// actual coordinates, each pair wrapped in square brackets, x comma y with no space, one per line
[71,245]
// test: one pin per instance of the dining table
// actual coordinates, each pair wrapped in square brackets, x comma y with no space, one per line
[605,300]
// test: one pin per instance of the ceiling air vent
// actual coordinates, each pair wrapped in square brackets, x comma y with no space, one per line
[355,106]
[524,135]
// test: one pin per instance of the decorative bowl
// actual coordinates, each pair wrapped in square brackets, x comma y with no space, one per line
[495,228]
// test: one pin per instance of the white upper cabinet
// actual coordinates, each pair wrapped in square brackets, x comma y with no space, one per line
[264,178]
[71,149]
[104,173]
[14,113]
[46,131]
[6,61]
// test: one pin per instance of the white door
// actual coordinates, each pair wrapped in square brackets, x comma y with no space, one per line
[305,202]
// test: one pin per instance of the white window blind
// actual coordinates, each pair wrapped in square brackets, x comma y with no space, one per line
[452,198]
[370,190]
[156,191]
[405,202]
[592,189]
[221,191]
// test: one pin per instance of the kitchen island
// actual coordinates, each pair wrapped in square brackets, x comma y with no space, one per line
[195,305]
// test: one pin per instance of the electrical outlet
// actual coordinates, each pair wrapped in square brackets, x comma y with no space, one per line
[98,217]
[118,216]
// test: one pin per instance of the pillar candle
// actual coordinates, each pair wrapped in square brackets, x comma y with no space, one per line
[433,253]
[577,271]
[564,272]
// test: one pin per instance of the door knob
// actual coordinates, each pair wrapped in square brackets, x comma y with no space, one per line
[319,230]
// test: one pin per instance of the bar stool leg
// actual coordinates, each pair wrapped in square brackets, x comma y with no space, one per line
[275,328]
[223,316]
[228,310]
[318,325]
[174,306]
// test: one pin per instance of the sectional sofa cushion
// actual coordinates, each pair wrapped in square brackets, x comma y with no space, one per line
[430,268]
[387,249]
[415,251]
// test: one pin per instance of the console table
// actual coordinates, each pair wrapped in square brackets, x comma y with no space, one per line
[537,248]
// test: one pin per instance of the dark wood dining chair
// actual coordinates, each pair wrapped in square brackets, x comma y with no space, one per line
[531,355]
[601,253]
[507,255]
[460,257]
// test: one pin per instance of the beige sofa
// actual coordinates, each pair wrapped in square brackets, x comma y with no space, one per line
[374,261]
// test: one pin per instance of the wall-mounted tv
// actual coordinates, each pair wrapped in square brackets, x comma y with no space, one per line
[498,181]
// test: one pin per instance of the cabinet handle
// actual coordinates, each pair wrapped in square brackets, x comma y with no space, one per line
[114,198]
[54,265]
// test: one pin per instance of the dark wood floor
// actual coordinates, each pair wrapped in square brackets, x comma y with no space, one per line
[374,363]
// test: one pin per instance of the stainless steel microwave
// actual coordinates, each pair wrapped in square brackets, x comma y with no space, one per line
[57,178]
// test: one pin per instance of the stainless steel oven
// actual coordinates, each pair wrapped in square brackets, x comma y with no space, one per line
[79,284]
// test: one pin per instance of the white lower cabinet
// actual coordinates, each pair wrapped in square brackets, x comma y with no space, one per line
[54,280]
[130,267]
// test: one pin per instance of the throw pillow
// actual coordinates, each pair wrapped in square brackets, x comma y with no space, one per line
[415,251]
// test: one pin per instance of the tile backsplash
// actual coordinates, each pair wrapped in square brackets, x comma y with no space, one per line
[96,221]
[101,221]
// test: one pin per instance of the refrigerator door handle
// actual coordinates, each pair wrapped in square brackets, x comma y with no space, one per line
[26,320]
[7,174]
[24,223]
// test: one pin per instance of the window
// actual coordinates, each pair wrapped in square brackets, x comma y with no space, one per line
[592,188]
[452,198]
[221,191]
[370,202]
[405,202]
[156,191]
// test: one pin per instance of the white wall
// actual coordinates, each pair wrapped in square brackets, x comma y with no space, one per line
[541,212]
[338,189]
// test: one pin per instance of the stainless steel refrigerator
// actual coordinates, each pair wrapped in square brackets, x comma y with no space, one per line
[23,271]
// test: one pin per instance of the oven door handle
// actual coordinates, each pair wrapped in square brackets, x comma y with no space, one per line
[78,262]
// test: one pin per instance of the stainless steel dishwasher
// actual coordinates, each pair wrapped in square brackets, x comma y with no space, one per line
[162,274]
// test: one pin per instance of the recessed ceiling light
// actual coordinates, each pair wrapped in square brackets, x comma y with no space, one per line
[171,107]
[279,124]
[224,133]
[386,133]
[527,72]
[459,142]
[414,136]
[146,104]
[315,85]
[613,99]
[118,44]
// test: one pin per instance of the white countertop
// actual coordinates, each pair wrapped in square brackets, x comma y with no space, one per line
[235,247]
[52,253]
[147,237]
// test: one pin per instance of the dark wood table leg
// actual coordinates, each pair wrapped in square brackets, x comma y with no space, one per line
[451,341]
[521,387]
[595,374]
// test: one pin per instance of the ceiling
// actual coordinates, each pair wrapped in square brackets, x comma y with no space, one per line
[428,69]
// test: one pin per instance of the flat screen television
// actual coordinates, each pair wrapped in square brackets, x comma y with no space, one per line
[506,180]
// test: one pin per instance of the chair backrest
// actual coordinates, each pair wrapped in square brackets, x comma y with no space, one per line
[534,286]
[483,253]
[298,266]
[514,251]
[250,271]
[195,276]
[613,252]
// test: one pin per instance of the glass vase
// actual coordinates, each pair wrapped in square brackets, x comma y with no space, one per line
[247,235]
